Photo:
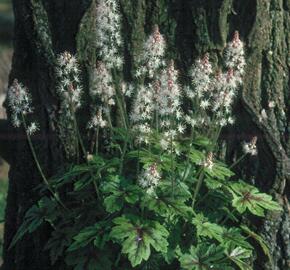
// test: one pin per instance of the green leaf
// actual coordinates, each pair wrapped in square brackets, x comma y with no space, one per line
[202,141]
[219,171]
[233,237]
[169,201]
[248,197]
[204,257]
[97,234]
[212,183]
[119,192]
[114,203]
[81,172]
[240,256]
[148,158]
[196,156]
[137,237]
[260,241]
[207,229]
[33,219]
[90,259]
[60,239]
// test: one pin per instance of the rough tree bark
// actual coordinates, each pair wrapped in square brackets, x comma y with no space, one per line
[192,27]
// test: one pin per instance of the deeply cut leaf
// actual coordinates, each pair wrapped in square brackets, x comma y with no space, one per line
[137,237]
[248,197]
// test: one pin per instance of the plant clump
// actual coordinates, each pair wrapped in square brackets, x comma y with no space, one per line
[151,192]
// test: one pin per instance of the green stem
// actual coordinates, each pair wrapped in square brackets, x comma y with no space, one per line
[85,153]
[228,216]
[198,186]
[171,161]
[38,165]
[138,161]
[79,137]
[123,157]
[238,161]
[187,166]
[203,198]
[215,138]
[122,111]
[97,140]
[96,187]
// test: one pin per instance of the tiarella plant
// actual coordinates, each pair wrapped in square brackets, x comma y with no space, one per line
[153,195]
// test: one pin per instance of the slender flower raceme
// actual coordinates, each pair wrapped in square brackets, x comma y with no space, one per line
[109,41]
[201,77]
[69,90]
[103,95]
[103,89]
[201,93]
[168,97]
[235,57]
[68,76]
[19,101]
[223,96]
[157,106]
[226,85]
[168,105]
[215,95]
[150,178]
[142,113]
[153,53]
[98,120]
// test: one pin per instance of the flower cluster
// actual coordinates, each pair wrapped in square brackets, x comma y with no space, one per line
[102,88]
[202,92]
[69,90]
[19,101]
[168,106]
[214,95]
[98,119]
[208,163]
[158,106]
[109,41]
[223,96]
[68,76]
[103,95]
[235,57]
[157,103]
[127,89]
[150,178]
[152,58]
[32,128]
[201,77]
[142,112]
[251,147]
[168,93]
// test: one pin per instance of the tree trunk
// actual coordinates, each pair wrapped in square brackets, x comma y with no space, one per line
[192,27]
